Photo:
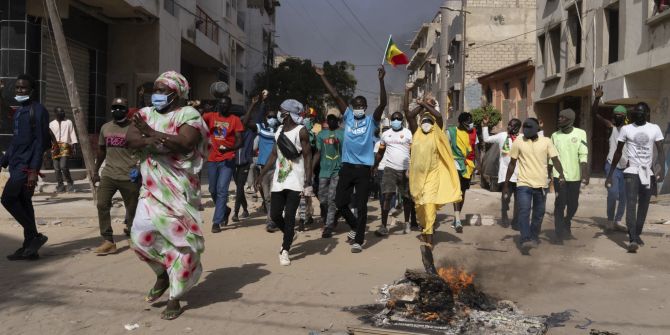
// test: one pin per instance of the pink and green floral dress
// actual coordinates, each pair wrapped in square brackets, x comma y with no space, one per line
[166,232]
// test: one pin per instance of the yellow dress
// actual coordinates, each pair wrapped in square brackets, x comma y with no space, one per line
[433,177]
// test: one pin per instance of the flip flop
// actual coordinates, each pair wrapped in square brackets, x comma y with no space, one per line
[155,294]
[171,314]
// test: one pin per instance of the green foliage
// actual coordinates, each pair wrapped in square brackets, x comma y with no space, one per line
[487,111]
[296,79]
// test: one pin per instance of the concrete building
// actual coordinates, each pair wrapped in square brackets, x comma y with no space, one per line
[621,45]
[119,47]
[495,36]
[424,68]
[510,90]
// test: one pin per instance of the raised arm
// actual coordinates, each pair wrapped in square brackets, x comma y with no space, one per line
[411,118]
[247,120]
[597,94]
[382,95]
[341,104]
[431,109]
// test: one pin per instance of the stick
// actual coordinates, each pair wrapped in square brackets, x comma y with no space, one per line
[386,50]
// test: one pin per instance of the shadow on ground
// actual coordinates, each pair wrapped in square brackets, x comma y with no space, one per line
[224,284]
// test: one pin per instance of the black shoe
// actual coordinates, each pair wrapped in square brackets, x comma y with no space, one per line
[235,218]
[216,228]
[415,227]
[17,255]
[327,233]
[632,247]
[245,215]
[35,245]
[301,225]
[60,188]
[226,216]
[639,241]
[271,228]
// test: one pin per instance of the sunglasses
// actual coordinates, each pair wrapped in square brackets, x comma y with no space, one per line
[396,118]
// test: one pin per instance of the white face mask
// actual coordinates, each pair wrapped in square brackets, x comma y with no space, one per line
[22,98]
[426,127]
[359,113]
[281,117]
[470,126]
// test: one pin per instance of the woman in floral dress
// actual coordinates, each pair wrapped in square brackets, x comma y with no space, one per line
[166,233]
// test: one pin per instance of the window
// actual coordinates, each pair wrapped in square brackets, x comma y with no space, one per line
[229,9]
[506,91]
[612,28]
[169,7]
[489,95]
[455,51]
[553,66]
[241,17]
[523,87]
[541,48]
[574,28]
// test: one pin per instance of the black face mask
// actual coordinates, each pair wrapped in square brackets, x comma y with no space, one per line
[638,117]
[619,120]
[119,114]
[60,116]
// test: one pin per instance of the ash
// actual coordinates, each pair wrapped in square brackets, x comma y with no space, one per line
[428,303]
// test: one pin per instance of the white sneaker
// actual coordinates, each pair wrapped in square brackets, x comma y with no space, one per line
[283,258]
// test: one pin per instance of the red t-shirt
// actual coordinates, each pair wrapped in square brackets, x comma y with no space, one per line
[222,130]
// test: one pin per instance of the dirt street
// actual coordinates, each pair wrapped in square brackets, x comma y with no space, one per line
[244,290]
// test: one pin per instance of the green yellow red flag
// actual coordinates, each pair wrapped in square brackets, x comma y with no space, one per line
[393,55]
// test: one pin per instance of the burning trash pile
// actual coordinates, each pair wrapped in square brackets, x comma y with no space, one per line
[447,303]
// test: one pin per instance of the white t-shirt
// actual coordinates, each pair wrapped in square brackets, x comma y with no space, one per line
[505,145]
[640,145]
[613,142]
[397,144]
[289,174]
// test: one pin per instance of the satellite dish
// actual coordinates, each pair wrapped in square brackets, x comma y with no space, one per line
[219,89]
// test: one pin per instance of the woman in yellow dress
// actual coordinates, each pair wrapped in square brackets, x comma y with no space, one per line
[433,177]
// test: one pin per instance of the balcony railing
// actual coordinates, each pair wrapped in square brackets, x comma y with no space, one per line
[206,25]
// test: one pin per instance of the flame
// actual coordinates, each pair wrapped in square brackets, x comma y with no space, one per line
[457,279]
[430,316]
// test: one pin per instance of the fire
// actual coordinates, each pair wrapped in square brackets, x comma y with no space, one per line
[457,279]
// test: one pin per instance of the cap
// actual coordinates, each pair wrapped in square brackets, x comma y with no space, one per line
[292,106]
[620,110]
[219,89]
[120,102]
[335,112]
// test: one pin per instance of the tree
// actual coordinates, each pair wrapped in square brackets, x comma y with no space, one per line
[479,113]
[295,79]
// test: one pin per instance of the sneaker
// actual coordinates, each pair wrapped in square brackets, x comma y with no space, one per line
[632,247]
[535,243]
[356,248]
[284,259]
[105,248]
[351,236]
[618,226]
[527,245]
[35,245]
[382,231]
[271,227]
[327,233]
[639,241]
[245,215]
[17,255]
[70,188]
[216,228]
[458,226]
[60,188]
[415,227]
[235,218]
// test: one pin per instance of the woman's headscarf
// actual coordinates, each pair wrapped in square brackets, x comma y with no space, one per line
[175,81]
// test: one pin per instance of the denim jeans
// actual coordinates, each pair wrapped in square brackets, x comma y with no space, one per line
[504,208]
[637,203]
[616,193]
[567,196]
[327,192]
[220,174]
[530,198]
[62,171]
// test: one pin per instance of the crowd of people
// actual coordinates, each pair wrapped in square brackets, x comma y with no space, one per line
[154,158]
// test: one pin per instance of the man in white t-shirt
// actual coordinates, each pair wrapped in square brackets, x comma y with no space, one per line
[394,149]
[504,141]
[638,141]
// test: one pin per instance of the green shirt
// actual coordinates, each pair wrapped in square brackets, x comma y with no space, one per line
[572,150]
[329,143]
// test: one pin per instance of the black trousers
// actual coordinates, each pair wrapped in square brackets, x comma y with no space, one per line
[17,199]
[637,205]
[241,176]
[567,196]
[283,206]
[354,178]
[505,200]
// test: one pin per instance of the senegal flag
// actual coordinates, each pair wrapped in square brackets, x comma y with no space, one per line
[393,55]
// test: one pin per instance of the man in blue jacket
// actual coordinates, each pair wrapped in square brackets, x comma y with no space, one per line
[24,160]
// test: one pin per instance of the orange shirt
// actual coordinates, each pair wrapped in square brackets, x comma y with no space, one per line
[222,130]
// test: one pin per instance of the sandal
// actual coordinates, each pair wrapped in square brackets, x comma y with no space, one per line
[155,294]
[171,314]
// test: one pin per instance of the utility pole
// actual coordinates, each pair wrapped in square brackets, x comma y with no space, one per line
[449,10]
[73,94]
[442,96]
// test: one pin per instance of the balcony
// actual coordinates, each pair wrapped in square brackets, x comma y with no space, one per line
[417,76]
[206,25]
[421,34]
[417,59]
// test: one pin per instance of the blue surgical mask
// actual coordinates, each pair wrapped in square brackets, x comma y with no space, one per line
[22,98]
[272,122]
[359,113]
[160,101]
[396,124]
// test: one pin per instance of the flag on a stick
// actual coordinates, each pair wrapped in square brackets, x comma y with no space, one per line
[393,55]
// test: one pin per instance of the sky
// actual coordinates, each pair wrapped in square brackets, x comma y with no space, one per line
[325,30]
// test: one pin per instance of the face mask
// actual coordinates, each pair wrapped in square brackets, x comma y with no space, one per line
[396,124]
[359,113]
[297,118]
[619,120]
[426,127]
[22,98]
[470,126]
[281,117]
[119,115]
[272,122]
[160,101]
